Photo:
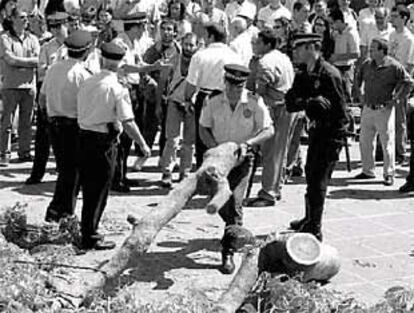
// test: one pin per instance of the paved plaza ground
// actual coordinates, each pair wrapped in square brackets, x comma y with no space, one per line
[371,225]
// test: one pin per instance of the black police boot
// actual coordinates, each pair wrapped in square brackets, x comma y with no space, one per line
[298,224]
[227,263]
[314,224]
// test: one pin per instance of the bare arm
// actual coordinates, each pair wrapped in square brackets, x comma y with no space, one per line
[261,136]
[134,133]
[207,137]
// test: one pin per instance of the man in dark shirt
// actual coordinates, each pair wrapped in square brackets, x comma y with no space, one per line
[319,90]
[386,85]
[153,108]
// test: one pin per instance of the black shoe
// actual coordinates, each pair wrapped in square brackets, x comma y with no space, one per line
[25,158]
[311,228]
[364,176]
[33,181]
[166,180]
[400,160]
[131,182]
[260,202]
[227,264]
[52,216]
[297,171]
[99,245]
[120,187]
[297,224]
[389,180]
[407,187]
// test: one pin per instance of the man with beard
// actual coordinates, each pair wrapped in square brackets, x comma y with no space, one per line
[318,91]
[177,114]
[153,109]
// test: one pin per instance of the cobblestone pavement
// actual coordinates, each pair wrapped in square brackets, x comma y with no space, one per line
[371,225]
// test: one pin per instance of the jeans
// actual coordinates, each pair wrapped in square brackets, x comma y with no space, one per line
[175,117]
[274,151]
[24,98]
[372,122]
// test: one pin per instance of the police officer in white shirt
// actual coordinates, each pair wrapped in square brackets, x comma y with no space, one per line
[104,108]
[205,74]
[58,94]
[241,117]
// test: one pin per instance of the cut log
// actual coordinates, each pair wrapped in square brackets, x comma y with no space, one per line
[218,163]
[290,254]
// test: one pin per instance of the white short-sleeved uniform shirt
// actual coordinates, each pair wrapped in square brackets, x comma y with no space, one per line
[402,47]
[61,85]
[102,99]
[249,117]
[206,68]
[268,15]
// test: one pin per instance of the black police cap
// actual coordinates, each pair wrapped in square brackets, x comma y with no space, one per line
[112,51]
[79,40]
[236,73]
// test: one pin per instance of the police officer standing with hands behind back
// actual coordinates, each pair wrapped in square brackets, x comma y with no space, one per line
[319,90]
[104,108]
[237,116]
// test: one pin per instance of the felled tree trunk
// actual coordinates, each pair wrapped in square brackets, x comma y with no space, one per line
[241,284]
[218,162]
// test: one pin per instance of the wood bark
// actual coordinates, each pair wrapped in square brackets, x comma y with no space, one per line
[217,164]
[241,284]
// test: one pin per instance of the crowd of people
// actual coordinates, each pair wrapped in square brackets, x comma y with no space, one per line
[101,75]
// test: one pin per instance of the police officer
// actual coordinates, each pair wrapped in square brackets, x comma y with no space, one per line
[59,95]
[50,52]
[104,108]
[238,116]
[319,90]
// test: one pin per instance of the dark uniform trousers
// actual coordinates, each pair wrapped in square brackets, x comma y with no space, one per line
[232,211]
[42,141]
[97,165]
[42,145]
[64,135]
[323,152]
[200,147]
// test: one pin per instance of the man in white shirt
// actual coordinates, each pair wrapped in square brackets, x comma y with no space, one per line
[274,10]
[242,42]
[273,79]
[366,17]
[402,49]
[236,6]
[381,29]
[206,74]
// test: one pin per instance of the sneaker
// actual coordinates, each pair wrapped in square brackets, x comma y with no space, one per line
[389,180]
[364,176]
[407,187]
[166,180]
[139,163]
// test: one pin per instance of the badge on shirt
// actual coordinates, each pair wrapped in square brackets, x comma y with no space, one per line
[317,84]
[247,113]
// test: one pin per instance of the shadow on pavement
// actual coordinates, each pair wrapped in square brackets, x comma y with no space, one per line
[365,194]
[153,267]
